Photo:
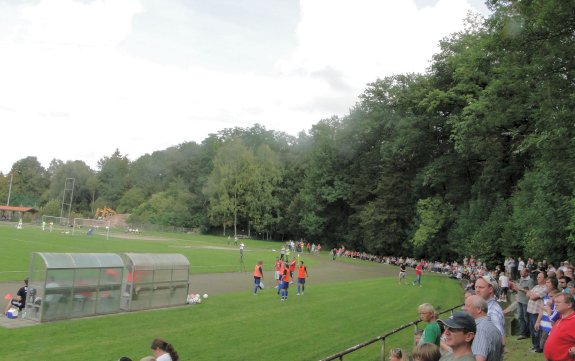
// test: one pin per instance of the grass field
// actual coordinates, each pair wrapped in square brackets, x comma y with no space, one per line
[234,326]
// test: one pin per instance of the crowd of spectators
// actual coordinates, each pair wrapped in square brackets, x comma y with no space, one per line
[540,295]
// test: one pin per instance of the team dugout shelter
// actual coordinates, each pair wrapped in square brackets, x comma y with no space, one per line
[73,285]
[154,280]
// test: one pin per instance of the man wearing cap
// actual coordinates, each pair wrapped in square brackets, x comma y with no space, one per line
[487,342]
[485,287]
[459,334]
[20,300]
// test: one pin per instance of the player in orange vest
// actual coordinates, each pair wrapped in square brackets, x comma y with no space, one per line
[258,276]
[280,275]
[292,265]
[285,282]
[277,274]
[301,275]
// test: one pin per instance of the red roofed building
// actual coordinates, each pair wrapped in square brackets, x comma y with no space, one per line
[7,212]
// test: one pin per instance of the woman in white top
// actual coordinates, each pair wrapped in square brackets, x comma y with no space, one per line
[164,351]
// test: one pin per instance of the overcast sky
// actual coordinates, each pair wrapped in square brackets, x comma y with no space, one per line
[79,79]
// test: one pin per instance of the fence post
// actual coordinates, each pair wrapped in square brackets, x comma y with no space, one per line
[382,355]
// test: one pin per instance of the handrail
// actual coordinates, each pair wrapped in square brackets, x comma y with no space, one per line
[340,354]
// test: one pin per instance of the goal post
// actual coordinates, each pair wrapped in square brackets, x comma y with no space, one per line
[54,223]
[91,227]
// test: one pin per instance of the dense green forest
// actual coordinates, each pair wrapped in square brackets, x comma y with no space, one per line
[473,157]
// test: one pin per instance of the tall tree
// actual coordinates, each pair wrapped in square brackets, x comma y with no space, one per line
[229,183]
[112,179]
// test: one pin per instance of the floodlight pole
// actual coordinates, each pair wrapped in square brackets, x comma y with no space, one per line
[10,188]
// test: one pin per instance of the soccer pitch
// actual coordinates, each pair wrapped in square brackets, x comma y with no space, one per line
[330,317]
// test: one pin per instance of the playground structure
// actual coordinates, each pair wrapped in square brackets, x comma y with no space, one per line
[103,213]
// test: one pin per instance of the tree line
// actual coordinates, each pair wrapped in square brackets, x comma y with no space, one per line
[473,157]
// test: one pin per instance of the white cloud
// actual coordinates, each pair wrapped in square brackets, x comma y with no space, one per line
[79,79]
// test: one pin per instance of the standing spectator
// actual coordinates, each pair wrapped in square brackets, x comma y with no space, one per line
[504,284]
[507,265]
[524,284]
[164,351]
[571,287]
[301,275]
[534,307]
[513,267]
[432,332]
[426,352]
[533,268]
[560,345]
[548,315]
[569,272]
[459,334]
[487,342]
[486,288]
[563,281]
[520,265]
[396,354]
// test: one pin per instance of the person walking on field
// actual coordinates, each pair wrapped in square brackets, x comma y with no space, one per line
[418,272]
[402,274]
[258,276]
[301,275]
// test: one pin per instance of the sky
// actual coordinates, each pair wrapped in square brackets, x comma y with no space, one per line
[82,78]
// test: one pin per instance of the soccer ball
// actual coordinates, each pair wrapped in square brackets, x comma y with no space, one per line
[205,295]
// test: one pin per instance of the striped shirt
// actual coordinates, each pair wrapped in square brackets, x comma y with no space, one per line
[547,320]
[487,341]
[495,313]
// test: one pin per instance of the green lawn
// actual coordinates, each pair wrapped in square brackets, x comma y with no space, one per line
[235,326]
[207,254]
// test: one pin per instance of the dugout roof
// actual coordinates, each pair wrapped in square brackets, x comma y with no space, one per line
[81,260]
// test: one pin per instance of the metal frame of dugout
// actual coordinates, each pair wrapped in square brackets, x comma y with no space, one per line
[154,280]
[72,285]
